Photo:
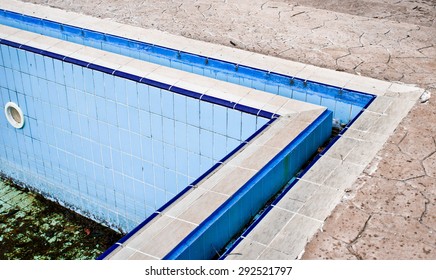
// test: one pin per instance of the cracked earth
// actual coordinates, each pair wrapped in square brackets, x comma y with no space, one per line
[390,212]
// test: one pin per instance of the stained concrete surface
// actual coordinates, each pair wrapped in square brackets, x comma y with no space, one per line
[390,212]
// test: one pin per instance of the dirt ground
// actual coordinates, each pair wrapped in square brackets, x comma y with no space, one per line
[390,213]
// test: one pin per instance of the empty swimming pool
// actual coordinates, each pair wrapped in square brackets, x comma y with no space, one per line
[119,139]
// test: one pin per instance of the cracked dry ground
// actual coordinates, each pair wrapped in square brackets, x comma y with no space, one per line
[390,212]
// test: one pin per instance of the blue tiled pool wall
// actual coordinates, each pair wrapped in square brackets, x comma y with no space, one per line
[345,104]
[211,236]
[111,148]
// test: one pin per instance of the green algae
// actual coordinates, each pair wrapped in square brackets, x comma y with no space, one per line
[34,228]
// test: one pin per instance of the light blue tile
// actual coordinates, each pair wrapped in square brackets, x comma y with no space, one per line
[180,108]
[159,177]
[285,91]
[181,135]
[258,84]
[79,82]
[248,125]
[187,68]
[160,197]
[182,161]
[144,121]
[139,193]
[168,131]
[234,124]
[146,149]
[114,138]
[246,82]
[299,95]
[193,111]
[116,158]
[18,81]
[100,190]
[170,182]
[260,122]
[176,64]
[193,138]
[109,87]
[143,97]
[135,142]
[232,144]
[134,120]
[167,104]
[148,172]
[62,96]
[106,156]
[132,94]
[206,143]
[129,188]
[219,119]
[104,133]
[182,182]
[355,110]
[99,83]
[120,90]
[59,71]
[87,149]
[155,100]
[122,116]
[313,99]
[329,103]
[272,88]
[342,112]
[91,106]
[2,54]
[205,164]
[15,63]
[193,165]
[156,127]
[22,57]
[81,102]
[125,145]
[3,82]
[40,68]
[209,73]
[150,196]
[68,74]
[5,55]
[137,168]
[169,156]
[75,147]
[158,153]
[100,106]
[96,154]
[71,99]
[110,113]
[206,115]
[219,146]
[10,80]
[22,103]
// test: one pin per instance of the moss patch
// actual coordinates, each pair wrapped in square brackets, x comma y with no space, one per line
[32,227]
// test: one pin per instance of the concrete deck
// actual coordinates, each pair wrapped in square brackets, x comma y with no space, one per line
[379,39]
